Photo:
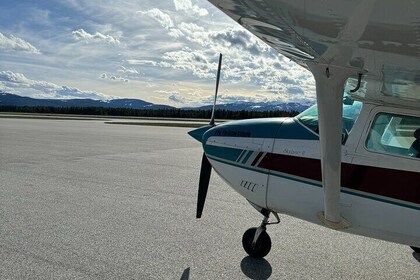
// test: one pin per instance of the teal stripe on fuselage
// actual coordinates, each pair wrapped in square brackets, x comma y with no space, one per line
[240,155]
[247,157]
[225,153]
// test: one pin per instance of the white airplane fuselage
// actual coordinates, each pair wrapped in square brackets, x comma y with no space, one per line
[275,164]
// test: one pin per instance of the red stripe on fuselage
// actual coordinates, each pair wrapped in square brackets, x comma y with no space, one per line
[396,184]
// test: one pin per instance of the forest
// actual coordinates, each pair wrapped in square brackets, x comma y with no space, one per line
[155,113]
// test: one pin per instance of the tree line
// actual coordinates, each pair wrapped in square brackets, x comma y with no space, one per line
[155,113]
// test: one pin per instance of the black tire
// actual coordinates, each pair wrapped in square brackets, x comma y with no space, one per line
[416,249]
[261,248]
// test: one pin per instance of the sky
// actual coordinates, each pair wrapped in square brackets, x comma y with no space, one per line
[164,52]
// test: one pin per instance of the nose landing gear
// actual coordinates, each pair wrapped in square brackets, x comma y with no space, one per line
[256,241]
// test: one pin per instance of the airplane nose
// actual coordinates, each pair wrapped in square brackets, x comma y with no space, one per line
[198,133]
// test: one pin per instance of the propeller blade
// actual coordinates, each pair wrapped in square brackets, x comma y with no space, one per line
[203,185]
[205,164]
[217,88]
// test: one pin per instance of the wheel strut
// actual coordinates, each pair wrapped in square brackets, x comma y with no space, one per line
[263,227]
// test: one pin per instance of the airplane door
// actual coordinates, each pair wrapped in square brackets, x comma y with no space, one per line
[295,172]
[253,185]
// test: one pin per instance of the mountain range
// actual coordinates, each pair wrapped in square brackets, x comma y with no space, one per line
[16,100]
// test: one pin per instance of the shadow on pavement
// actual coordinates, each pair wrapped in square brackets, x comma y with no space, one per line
[416,256]
[186,274]
[258,269]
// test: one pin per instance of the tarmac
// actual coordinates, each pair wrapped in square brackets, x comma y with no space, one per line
[81,199]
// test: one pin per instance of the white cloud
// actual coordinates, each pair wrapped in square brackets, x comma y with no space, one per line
[113,78]
[17,44]
[66,92]
[18,80]
[187,6]
[238,38]
[247,60]
[175,33]
[190,27]
[118,79]
[82,35]
[241,66]
[141,62]
[123,69]
[164,19]
[187,60]
[18,83]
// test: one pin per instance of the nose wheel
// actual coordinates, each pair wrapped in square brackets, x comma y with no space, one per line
[258,249]
[256,241]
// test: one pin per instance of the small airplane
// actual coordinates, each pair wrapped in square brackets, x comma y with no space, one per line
[352,161]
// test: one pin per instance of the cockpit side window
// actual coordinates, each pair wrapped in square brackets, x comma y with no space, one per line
[395,134]
[351,110]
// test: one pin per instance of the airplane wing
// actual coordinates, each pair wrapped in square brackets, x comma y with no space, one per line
[372,45]
[381,38]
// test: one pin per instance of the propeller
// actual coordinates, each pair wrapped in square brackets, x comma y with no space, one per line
[205,171]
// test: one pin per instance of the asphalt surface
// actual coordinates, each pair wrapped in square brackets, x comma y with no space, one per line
[87,200]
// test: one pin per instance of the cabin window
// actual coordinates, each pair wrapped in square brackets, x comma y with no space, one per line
[395,134]
[351,110]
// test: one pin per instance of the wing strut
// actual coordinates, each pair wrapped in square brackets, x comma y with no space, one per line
[330,82]
[330,78]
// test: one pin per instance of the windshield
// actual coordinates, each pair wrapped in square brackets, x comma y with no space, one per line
[351,110]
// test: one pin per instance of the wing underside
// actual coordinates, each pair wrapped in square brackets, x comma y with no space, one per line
[379,38]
